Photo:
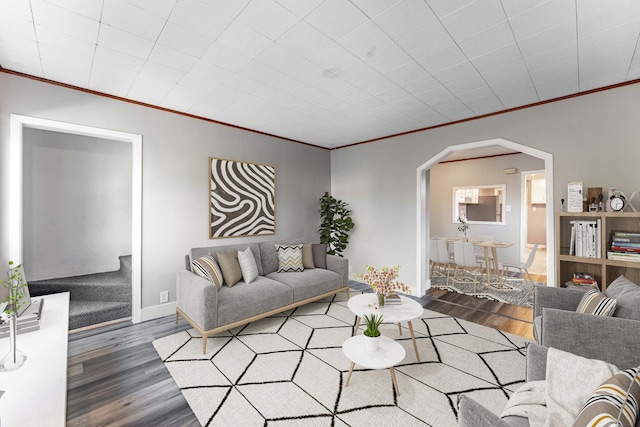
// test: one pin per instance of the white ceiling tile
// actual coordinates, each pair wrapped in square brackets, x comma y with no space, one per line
[373,7]
[65,21]
[241,83]
[181,99]
[54,39]
[154,71]
[15,27]
[89,8]
[127,17]
[392,95]
[184,40]
[159,8]
[14,44]
[443,59]
[481,101]
[208,71]
[543,17]
[173,58]
[405,17]
[357,72]
[304,40]
[21,9]
[498,58]
[118,40]
[225,58]
[54,54]
[474,18]
[443,8]
[110,61]
[61,72]
[117,84]
[306,72]
[558,86]
[335,18]
[634,69]
[597,16]
[279,58]
[268,18]
[201,18]
[387,59]
[300,8]
[427,41]
[486,41]
[333,58]
[407,72]
[558,37]
[149,90]
[366,40]
[422,84]
[243,40]
[376,85]
[17,60]
[516,7]
[259,72]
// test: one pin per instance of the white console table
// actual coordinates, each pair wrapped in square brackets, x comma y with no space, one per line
[36,394]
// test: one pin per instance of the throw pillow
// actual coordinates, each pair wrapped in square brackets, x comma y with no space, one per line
[628,295]
[289,258]
[319,255]
[594,302]
[230,268]
[307,256]
[208,268]
[248,265]
[614,403]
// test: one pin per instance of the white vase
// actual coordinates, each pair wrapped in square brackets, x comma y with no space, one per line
[15,358]
[371,344]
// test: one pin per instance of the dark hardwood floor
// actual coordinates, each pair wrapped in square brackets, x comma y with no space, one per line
[116,378]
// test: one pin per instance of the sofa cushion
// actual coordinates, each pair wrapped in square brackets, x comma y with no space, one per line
[214,250]
[247,265]
[319,255]
[238,303]
[594,302]
[230,267]
[309,283]
[307,256]
[208,268]
[614,403]
[289,258]
[628,295]
[269,256]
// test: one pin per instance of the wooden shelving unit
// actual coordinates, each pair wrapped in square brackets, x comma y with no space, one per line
[605,270]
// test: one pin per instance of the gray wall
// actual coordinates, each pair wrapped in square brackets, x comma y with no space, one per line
[379,181]
[76,204]
[488,171]
[174,172]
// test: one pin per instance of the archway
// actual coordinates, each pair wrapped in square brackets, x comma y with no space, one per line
[17,124]
[422,190]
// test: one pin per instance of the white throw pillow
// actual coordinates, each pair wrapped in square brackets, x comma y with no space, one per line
[248,265]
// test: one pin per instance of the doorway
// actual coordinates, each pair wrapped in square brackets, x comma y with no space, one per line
[16,197]
[533,209]
[423,202]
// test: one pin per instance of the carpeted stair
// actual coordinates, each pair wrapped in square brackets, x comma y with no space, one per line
[95,298]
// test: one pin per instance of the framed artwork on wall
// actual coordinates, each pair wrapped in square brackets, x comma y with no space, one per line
[242,199]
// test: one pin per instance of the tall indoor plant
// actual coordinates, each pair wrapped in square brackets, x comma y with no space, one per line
[15,284]
[335,225]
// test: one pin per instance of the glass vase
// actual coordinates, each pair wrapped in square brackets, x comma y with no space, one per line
[381,300]
[15,358]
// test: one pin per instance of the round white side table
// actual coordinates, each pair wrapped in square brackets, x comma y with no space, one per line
[389,354]
[392,313]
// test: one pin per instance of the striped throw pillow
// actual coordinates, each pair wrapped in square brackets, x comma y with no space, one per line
[594,302]
[208,268]
[289,258]
[614,403]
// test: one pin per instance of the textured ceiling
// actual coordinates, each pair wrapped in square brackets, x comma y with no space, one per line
[326,72]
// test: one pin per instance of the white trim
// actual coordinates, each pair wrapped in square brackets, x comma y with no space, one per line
[157,311]
[17,124]
[524,211]
[422,252]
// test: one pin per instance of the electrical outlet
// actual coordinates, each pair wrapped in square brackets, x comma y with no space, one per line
[164,296]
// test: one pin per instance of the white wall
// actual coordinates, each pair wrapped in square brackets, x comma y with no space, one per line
[174,172]
[584,134]
[487,171]
[76,204]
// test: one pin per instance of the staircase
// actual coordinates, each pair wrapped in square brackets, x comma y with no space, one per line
[95,298]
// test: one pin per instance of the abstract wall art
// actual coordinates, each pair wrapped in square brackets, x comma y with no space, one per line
[242,199]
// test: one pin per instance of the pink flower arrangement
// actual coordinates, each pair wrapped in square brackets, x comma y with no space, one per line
[383,281]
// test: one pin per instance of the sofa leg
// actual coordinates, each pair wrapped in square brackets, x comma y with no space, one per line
[204,344]
[177,317]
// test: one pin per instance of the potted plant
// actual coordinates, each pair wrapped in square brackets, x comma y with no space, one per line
[335,224]
[383,281]
[14,300]
[372,332]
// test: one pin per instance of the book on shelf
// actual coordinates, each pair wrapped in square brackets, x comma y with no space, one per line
[627,235]
[584,279]
[624,256]
[586,239]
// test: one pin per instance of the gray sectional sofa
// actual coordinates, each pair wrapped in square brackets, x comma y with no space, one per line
[211,310]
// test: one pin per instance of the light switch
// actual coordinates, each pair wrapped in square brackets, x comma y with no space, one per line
[507,208]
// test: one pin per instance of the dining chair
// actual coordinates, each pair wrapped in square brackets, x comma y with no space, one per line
[480,250]
[439,259]
[521,266]
[465,261]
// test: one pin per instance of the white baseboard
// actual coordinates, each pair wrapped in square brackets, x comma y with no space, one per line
[156,311]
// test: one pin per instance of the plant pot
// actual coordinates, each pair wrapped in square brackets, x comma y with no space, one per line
[371,344]
[381,300]
[15,358]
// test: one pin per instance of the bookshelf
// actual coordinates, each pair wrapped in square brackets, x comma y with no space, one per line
[605,270]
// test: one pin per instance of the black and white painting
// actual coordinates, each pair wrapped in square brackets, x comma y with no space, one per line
[242,199]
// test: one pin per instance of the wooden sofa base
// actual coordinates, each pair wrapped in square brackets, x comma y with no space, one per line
[210,332]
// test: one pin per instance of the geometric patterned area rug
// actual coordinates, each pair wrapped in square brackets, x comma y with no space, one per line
[514,290]
[289,370]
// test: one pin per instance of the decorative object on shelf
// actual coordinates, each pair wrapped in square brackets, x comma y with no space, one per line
[372,324]
[617,201]
[383,281]
[563,207]
[600,202]
[593,206]
[574,203]
[610,191]
[634,194]
[335,224]
[13,302]
[242,199]
[463,227]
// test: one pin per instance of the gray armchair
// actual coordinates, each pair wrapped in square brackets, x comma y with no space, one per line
[614,339]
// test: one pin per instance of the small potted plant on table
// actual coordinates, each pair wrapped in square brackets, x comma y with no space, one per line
[372,331]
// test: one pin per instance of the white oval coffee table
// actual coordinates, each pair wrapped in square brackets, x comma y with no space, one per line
[391,313]
[389,354]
